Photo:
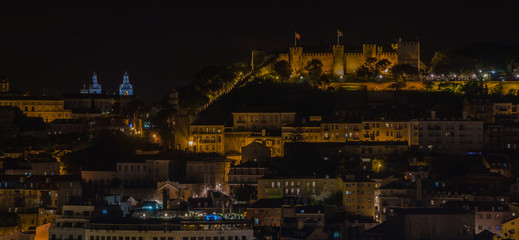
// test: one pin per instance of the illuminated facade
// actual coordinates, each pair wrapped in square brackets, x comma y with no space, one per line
[258,119]
[265,213]
[212,173]
[359,197]
[314,188]
[126,88]
[47,108]
[449,136]
[207,138]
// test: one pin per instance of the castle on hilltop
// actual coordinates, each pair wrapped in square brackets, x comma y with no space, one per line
[339,62]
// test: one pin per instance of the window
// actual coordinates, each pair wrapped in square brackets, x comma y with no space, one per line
[266,219]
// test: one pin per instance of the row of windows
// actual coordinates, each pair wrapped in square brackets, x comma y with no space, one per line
[480,227]
[160,238]
[266,220]
[246,171]
[489,216]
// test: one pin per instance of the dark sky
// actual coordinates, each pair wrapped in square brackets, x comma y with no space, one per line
[162,44]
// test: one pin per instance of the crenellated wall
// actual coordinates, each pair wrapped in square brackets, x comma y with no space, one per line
[353,61]
[338,62]
[325,58]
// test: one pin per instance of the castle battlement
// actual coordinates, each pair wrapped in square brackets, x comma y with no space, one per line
[317,54]
[408,43]
[339,62]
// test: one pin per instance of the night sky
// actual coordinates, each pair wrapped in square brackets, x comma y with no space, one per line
[162,44]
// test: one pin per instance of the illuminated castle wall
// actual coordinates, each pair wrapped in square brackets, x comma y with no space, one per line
[338,62]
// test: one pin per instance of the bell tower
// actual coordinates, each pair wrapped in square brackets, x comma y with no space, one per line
[94,87]
[126,88]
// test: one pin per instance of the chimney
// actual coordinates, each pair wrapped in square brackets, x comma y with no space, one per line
[433,115]
[165,198]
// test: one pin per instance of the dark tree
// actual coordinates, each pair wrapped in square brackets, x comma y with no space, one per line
[473,88]
[397,86]
[403,71]
[450,62]
[315,69]
[382,65]
[428,85]
[282,69]
[372,68]
[323,81]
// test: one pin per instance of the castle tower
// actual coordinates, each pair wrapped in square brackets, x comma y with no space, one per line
[258,56]
[126,88]
[369,51]
[408,53]
[4,84]
[295,58]
[94,87]
[338,60]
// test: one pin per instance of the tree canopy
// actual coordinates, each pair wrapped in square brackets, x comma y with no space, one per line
[372,68]
[282,69]
[315,70]
[403,71]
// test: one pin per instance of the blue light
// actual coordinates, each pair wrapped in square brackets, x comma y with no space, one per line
[131,124]
[212,217]
[105,212]
[436,184]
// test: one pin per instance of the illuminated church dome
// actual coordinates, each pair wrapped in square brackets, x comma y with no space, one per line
[94,87]
[126,88]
